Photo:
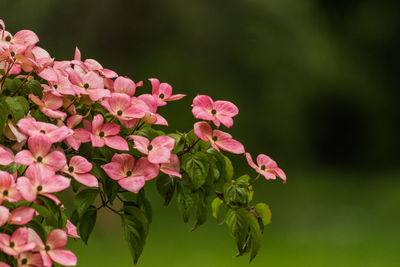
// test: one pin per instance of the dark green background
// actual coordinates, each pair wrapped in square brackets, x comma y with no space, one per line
[317,86]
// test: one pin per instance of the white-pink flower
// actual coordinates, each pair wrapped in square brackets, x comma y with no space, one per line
[158,150]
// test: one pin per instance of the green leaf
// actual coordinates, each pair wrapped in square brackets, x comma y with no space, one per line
[197,167]
[179,142]
[215,205]
[236,192]
[255,235]
[228,175]
[42,210]
[12,84]
[84,199]
[166,188]
[136,228]
[88,221]
[11,168]
[201,210]
[223,164]
[39,228]
[238,223]
[185,203]
[34,87]
[3,116]
[18,107]
[264,212]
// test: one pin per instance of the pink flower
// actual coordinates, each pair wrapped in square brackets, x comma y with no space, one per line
[39,154]
[49,105]
[129,175]
[29,259]
[172,167]
[105,134]
[124,86]
[266,167]
[79,169]
[2,264]
[53,249]
[39,182]
[21,215]
[17,243]
[6,157]
[119,105]
[8,189]
[71,230]
[218,112]
[90,84]
[158,150]
[80,135]
[163,92]
[217,138]
[149,104]
[31,127]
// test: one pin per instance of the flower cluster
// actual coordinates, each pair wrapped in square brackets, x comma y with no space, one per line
[74,124]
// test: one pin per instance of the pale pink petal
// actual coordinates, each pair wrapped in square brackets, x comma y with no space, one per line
[56,160]
[71,230]
[26,37]
[54,114]
[225,120]
[225,108]
[36,100]
[97,123]
[126,160]
[24,157]
[110,129]
[86,179]
[56,183]
[250,161]
[140,143]
[97,141]
[125,86]
[172,167]
[163,141]
[132,184]
[48,74]
[160,155]
[97,94]
[57,239]
[39,145]
[203,131]
[4,214]
[80,164]
[5,157]
[146,169]
[60,134]
[175,97]
[82,135]
[114,170]
[264,160]
[73,121]
[74,77]
[26,189]
[155,83]
[21,215]
[116,142]
[52,101]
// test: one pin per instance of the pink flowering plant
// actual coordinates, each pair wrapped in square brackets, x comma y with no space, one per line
[73,129]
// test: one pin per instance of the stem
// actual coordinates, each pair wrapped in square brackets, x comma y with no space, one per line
[73,101]
[3,80]
[23,82]
[137,127]
[255,179]
[189,148]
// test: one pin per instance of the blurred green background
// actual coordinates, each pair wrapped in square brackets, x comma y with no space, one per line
[316,82]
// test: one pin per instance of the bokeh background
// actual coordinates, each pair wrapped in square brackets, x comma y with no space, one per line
[317,85]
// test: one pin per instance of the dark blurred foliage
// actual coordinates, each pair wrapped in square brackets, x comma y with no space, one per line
[316,81]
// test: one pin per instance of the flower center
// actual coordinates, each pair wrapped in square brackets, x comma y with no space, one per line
[215,138]
[9,116]
[43,131]
[262,167]
[47,248]
[71,169]
[101,134]
[5,193]
[149,147]
[12,54]
[119,112]
[24,261]
[128,173]
[12,244]
[39,188]
[39,159]
[55,86]
[162,96]
[213,112]
[86,86]
[8,38]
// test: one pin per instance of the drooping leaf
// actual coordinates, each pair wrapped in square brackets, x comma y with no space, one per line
[84,199]
[264,212]
[166,188]
[236,192]
[34,87]
[201,209]
[185,203]
[238,223]
[256,236]
[197,167]
[88,221]
[215,205]
[136,227]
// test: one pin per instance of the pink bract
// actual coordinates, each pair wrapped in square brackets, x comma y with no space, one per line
[266,167]
[158,150]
